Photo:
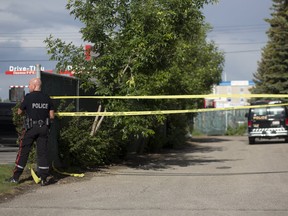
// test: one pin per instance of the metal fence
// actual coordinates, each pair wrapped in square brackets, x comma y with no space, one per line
[217,122]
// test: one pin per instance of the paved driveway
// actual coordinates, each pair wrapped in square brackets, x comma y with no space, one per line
[220,176]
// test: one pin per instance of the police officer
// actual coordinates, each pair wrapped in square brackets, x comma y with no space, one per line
[39,111]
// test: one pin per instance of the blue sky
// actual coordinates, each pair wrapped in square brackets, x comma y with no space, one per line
[239,30]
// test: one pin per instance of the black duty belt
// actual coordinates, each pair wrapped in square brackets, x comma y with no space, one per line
[39,122]
[29,123]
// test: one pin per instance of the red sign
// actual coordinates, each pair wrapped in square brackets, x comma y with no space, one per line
[70,73]
[31,72]
[88,52]
[23,72]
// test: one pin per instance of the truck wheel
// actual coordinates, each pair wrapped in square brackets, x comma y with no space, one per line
[251,140]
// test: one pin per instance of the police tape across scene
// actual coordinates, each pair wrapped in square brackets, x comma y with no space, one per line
[176,96]
[162,112]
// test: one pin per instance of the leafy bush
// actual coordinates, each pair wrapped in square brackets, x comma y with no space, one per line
[78,148]
[177,129]
[239,130]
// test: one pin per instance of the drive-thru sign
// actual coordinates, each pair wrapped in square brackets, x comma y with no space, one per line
[28,70]
[31,70]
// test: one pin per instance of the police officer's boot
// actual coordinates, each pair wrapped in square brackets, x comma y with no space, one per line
[44,182]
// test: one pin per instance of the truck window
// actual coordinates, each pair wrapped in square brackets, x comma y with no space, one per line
[269,111]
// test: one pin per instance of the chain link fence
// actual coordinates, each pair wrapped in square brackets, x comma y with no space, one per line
[217,122]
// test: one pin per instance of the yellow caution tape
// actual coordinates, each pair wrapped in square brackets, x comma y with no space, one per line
[69,174]
[177,96]
[162,112]
[34,176]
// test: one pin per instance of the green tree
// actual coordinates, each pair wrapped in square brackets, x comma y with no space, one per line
[152,47]
[272,72]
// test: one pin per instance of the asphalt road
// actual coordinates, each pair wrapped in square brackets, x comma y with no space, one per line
[7,154]
[220,176]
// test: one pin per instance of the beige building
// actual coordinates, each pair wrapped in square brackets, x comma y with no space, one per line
[232,88]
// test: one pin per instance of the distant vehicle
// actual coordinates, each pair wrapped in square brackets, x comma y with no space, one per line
[267,122]
[8,134]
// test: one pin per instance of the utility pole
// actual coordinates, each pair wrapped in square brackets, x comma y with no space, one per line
[38,71]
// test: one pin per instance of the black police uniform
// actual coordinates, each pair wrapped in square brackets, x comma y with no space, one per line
[37,106]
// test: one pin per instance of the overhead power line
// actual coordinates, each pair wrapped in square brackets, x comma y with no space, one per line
[241,43]
[43,47]
[19,47]
[38,33]
[243,51]
[25,60]
[39,60]
[260,26]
